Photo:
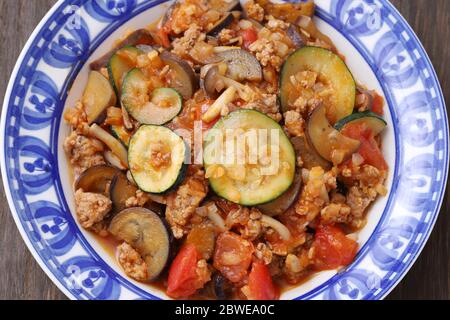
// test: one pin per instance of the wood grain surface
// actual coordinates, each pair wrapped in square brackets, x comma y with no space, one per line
[22,278]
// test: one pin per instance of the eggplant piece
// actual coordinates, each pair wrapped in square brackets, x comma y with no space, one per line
[97,97]
[211,82]
[96,179]
[223,288]
[120,190]
[309,155]
[138,37]
[306,23]
[221,24]
[295,36]
[341,188]
[203,238]
[184,81]
[328,142]
[242,65]
[285,201]
[148,234]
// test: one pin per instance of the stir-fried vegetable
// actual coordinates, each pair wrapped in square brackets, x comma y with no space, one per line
[286,150]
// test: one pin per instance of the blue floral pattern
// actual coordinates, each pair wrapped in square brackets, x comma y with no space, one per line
[33,111]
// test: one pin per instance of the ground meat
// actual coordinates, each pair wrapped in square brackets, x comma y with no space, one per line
[310,92]
[265,52]
[358,201]
[181,204]
[228,36]
[83,152]
[91,208]
[266,104]
[264,253]
[187,14]
[254,10]
[182,46]
[294,123]
[100,228]
[132,262]
[247,221]
[203,273]
[138,200]
[296,266]
[314,195]
[76,118]
[335,213]
[274,24]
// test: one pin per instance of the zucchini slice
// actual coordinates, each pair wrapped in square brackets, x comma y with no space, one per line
[121,133]
[262,167]
[369,119]
[331,144]
[156,157]
[162,106]
[120,63]
[331,70]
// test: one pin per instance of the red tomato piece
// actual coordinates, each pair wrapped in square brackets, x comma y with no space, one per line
[260,283]
[332,248]
[249,36]
[368,149]
[183,280]
[233,256]
[378,103]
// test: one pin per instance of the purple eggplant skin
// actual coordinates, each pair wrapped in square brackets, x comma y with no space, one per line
[185,74]
[295,36]
[221,24]
[148,234]
[222,287]
[120,190]
[285,201]
[96,179]
[209,83]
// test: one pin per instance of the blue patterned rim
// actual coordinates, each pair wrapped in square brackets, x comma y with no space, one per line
[35,100]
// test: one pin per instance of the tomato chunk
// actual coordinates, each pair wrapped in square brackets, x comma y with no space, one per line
[332,248]
[233,256]
[248,36]
[378,103]
[260,283]
[368,149]
[183,279]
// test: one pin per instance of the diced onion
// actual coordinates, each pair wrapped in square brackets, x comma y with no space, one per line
[282,230]
[113,160]
[357,159]
[214,216]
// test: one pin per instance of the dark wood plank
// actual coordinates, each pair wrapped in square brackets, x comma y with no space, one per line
[429,278]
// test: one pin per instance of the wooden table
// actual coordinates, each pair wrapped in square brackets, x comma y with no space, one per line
[22,278]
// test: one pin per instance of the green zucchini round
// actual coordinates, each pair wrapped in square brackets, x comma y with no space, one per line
[162,106]
[240,183]
[370,119]
[118,66]
[145,142]
[329,66]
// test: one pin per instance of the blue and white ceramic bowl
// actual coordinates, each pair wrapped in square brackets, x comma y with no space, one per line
[383,53]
